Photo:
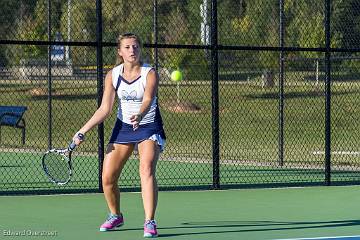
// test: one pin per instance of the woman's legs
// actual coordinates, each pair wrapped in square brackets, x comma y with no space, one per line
[115,159]
[149,153]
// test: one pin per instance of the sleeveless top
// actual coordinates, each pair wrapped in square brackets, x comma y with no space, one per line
[130,96]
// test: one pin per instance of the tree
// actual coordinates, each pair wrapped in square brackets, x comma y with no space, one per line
[305,27]
[79,20]
[264,31]
[12,17]
[33,25]
[250,23]
[345,23]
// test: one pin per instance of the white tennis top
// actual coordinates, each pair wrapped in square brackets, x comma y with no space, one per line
[131,95]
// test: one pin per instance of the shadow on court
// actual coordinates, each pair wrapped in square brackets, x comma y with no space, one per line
[250,226]
[199,228]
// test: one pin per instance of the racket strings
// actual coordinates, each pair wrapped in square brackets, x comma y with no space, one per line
[57,167]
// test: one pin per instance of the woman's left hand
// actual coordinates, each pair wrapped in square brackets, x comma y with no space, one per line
[135,120]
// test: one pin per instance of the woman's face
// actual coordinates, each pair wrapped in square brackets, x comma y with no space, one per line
[129,50]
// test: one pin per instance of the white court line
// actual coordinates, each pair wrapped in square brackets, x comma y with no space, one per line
[338,153]
[317,238]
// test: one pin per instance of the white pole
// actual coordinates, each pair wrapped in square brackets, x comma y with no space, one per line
[317,71]
[178,93]
[204,27]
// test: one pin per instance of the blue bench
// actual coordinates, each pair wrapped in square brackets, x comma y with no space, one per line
[13,116]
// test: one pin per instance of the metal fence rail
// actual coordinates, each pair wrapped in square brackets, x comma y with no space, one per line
[270,93]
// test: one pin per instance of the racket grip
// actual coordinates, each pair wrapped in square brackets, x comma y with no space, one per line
[72,146]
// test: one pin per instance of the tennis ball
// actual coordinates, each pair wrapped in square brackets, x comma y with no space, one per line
[176,76]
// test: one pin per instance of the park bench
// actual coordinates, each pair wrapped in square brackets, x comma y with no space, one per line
[13,116]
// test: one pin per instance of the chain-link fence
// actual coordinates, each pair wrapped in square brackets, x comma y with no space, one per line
[269,97]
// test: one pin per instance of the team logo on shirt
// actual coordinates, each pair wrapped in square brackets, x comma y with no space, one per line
[128,96]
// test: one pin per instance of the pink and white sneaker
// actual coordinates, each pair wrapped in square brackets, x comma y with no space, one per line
[150,229]
[113,221]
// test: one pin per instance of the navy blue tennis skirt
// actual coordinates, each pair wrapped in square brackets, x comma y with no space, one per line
[124,133]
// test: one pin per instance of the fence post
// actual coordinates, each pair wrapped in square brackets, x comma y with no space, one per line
[281,85]
[215,96]
[327,95]
[155,29]
[49,78]
[100,84]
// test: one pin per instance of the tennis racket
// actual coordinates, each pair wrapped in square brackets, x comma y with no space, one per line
[56,163]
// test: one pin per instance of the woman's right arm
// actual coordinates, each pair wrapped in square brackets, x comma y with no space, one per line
[103,111]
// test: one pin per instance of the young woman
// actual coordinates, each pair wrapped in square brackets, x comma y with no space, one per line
[138,125]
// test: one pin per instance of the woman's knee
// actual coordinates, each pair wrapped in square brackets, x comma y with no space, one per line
[108,179]
[147,170]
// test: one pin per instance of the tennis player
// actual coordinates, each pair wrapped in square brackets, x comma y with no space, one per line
[138,125]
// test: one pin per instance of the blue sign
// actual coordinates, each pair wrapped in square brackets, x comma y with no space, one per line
[57,51]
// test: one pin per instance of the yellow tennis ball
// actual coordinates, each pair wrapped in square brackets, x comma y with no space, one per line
[176,76]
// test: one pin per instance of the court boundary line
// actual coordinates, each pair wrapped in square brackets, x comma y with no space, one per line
[319,238]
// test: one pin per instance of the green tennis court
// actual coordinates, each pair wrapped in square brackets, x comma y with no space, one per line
[287,213]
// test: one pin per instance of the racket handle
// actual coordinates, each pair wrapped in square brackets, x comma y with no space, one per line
[72,146]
